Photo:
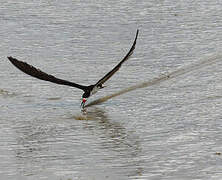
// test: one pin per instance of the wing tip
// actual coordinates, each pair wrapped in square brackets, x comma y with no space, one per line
[10,58]
[137,32]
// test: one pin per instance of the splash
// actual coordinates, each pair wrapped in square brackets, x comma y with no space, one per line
[181,71]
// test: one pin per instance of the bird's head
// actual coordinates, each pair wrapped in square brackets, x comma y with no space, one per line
[84,98]
[83,102]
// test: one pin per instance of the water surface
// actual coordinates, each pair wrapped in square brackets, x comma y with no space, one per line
[167,130]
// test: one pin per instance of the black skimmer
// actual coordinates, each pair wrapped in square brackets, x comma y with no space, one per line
[88,90]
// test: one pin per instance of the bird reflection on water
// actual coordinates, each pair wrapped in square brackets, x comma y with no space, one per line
[72,145]
[113,136]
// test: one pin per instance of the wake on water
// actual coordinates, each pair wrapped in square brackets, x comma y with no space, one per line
[181,71]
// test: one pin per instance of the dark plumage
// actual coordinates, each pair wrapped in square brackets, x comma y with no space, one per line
[88,90]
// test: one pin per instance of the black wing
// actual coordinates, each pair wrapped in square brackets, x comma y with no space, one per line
[116,68]
[37,73]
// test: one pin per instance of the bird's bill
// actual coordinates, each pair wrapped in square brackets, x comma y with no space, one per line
[83,102]
[82,105]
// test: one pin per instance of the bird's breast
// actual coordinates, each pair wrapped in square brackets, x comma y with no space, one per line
[94,90]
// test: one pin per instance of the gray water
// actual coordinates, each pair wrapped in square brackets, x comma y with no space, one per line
[166,130]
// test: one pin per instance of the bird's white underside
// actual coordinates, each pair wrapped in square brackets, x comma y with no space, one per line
[94,90]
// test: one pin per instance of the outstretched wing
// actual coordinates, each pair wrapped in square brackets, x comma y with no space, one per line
[37,73]
[116,68]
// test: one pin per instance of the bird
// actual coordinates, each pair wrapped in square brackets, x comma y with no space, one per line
[88,90]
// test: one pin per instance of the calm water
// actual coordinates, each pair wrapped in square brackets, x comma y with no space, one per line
[171,130]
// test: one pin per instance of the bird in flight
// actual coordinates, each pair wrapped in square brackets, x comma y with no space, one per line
[88,90]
